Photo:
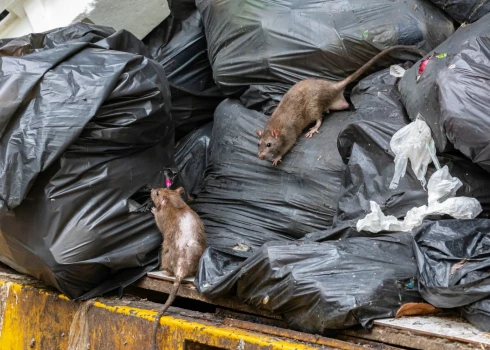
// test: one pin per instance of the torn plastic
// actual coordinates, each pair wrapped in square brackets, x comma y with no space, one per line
[464,10]
[442,188]
[413,142]
[262,42]
[364,146]
[317,287]
[180,47]
[453,258]
[85,132]
[397,71]
[191,157]
[453,93]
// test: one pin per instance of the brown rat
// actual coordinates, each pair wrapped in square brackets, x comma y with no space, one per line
[304,104]
[184,240]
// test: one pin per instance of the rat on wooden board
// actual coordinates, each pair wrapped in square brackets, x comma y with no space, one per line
[184,241]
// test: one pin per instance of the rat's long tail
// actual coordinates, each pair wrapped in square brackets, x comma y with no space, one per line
[170,300]
[366,66]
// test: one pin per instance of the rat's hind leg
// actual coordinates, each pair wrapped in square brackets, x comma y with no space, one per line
[314,130]
[166,266]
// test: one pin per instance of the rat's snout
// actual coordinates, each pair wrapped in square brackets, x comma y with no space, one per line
[261,156]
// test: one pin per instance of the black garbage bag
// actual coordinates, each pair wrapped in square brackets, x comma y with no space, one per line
[452,93]
[81,32]
[453,258]
[365,148]
[181,9]
[318,287]
[191,158]
[180,47]
[264,42]
[478,314]
[464,10]
[247,202]
[85,132]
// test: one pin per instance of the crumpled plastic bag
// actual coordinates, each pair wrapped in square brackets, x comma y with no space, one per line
[442,188]
[413,142]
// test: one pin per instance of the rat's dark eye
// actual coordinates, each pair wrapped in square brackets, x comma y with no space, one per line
[158,193]
[268,145]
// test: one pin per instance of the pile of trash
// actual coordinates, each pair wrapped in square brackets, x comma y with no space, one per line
[389,204]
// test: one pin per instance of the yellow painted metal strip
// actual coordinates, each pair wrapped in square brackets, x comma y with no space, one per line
[191,329]
[34,318]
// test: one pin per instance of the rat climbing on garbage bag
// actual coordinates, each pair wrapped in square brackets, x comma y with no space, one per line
[304,104]
[184,240]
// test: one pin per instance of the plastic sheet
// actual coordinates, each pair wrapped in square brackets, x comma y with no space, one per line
[180,47]
[441,190]
[191,157]
[181,9]
[81,32]
[247,202]
[453,92]
[464,10]
[412,142]
[85,131]
[276,43]
[318,287]
[453,257]
[478,314]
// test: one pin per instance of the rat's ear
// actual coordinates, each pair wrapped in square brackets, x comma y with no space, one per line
[259,133]
[180,190]
[275,133]
[177,202]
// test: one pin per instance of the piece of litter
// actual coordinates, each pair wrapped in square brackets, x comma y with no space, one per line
[397,71]
[412,142]
[442,188]
[241,247]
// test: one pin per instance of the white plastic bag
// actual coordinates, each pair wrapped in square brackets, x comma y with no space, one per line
[413,142]
[442,188]
[397,71]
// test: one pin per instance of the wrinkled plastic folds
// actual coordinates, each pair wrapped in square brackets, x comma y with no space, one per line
[247,202]
[464,10]
[453,93]
[413,142]
[478,314]
[85,132]
[180,46]
[191,158]
[453,257]
[181,9]
[364,146]
[317,287]
[265,45]
[442,188]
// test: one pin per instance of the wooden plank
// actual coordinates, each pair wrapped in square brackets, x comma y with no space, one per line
[190,292]
[425,333]
[449,327]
